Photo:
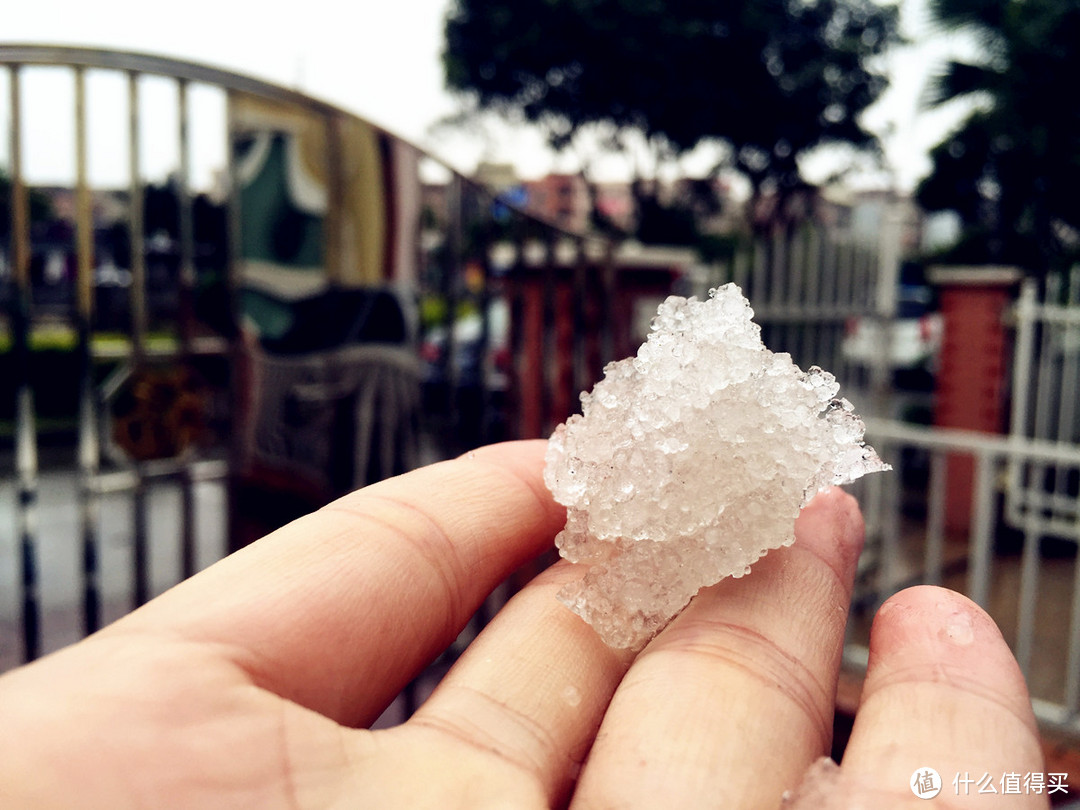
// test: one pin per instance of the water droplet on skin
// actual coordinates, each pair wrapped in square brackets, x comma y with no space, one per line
[959,629]
[572,695]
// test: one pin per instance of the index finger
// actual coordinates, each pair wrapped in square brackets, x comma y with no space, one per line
[341,608]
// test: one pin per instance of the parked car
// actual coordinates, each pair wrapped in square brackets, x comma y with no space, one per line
[470,366]
[469,388]
[913,338]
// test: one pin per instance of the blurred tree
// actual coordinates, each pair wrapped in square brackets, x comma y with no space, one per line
[1012,170]
[770,78]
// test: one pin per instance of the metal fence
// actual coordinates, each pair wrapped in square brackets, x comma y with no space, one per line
[1046,382]
[128,362]
[1007,566]
[1014,551]
[146,426]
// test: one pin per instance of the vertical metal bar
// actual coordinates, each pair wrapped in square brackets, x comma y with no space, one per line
[530,360]
[450,281]
[830,263]
[812,299]
[26,460]
[548,379]
[852,293]
[1029,591]
[886,522]
[186,223]
[1067,429]
[140,541]
[140,588]
[884,303]
[334,221]
[1034,495]
[580,366]
[829,309]
[1072,662]
[776,270]
[609,288]
[517,293]
[483,256]
[740,272]
[979,562]
[187,315]
[20,209]
[1026,312]
[1070,375]
[845,273]
[760,289]
[135,224]
[1046,385]
[795,300]
[241,358]
[935,518]
[864,272]
[89,443]
[84,225]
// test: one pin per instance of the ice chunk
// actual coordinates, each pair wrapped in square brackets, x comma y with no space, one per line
[690,461]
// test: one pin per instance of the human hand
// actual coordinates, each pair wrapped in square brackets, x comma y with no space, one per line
[249,685]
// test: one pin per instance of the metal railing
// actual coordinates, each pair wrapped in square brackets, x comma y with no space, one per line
[463,258]
[1017,554]
[1057,648]
[1045,385]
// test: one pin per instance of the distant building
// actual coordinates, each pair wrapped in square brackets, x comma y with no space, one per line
[497,177]
[864,219]
[615,201]
[561,199]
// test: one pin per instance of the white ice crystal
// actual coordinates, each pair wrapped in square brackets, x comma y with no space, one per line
[690,461]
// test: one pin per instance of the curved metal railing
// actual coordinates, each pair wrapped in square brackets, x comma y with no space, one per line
[460,263]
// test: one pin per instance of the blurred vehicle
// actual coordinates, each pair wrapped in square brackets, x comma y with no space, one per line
[466,392]
[470,366]
[912,339]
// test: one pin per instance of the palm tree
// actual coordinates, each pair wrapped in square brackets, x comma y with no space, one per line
[1012,170]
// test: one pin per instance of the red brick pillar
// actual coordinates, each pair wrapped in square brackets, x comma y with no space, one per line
[971,380]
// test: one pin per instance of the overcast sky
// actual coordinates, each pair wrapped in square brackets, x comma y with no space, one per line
[377,59]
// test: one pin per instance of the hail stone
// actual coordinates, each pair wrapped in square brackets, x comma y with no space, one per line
[690,461]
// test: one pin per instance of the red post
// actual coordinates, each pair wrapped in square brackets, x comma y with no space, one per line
[970,391]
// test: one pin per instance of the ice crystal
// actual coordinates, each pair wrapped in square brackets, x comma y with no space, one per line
[690,461]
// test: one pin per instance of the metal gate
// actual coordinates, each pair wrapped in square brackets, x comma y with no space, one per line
[177,381]
[1017,556]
